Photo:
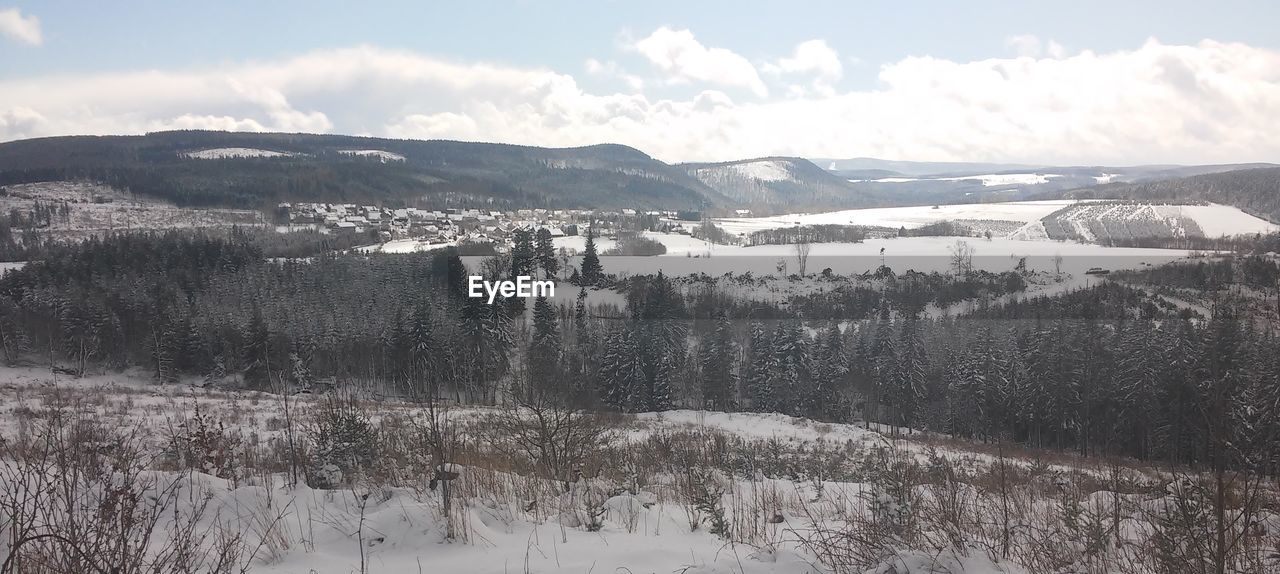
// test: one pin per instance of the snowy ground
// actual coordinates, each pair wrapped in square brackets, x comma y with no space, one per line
[895,217]
[410,245]
[507,522]
[1215,220]
[764,170]
[1219,220]
[95,209]
[385,156]
[234,152]
[988,180]
[686,255]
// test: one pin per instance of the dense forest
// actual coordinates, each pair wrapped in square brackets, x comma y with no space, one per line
[1106,370]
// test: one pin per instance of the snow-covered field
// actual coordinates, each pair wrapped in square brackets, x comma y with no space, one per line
[895,217]
[234,152]
[988,180]
[404,246]
[1215,220]
[1219,220]
[380,154]
[687,255]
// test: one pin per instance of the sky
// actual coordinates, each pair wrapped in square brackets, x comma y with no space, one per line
[1086,82]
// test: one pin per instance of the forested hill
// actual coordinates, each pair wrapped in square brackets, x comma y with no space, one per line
[781,183]
[1256,191]
[202,168]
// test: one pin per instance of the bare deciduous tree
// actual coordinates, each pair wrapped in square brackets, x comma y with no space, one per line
[802,247]
[962,258]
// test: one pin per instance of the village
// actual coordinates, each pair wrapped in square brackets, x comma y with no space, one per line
[428,228]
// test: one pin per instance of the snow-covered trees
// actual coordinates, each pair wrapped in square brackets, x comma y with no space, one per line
[718,360]
[545,349]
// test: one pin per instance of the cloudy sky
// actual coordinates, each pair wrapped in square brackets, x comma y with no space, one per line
[1086,82]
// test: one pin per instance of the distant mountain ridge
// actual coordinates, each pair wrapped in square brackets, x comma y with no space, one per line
[258,170]
[298,167]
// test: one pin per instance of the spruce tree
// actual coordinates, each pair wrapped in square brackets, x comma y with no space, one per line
[717,358]
[621,377]
[545,349]
[545,253]
[762,365]
[591,272]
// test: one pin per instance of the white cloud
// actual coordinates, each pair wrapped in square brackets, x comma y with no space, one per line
[1204,103]
[1030,46]
[680,55]
[811,57]
[25,29]
[1024,45]
[611,69]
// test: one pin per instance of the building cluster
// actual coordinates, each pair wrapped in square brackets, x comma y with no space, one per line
[452,224]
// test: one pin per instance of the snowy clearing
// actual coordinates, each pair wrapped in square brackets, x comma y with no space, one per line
[1219,220]
[235,152]
[1215,220]
[895,217]
[988,180]
[900,253]
[405,246]
[380,154]
[764,170]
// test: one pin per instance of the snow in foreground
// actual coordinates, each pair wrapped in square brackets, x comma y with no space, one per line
[681,491]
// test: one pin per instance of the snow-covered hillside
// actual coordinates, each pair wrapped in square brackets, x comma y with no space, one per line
[234,152]
[380,154]
[83,209]
[763,170]
[780,180]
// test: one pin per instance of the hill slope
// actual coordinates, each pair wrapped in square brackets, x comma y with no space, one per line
[260,169]
[1256,191]
[776,181]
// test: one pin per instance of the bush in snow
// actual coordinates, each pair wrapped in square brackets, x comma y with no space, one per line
[203,443]
[344,442]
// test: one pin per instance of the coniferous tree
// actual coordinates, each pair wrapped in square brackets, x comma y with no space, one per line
[486,330]
[907,388]
[622,377]
[717,360]
[761,365]
[824,397]
[545,253]
[591,272]
[545,351]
